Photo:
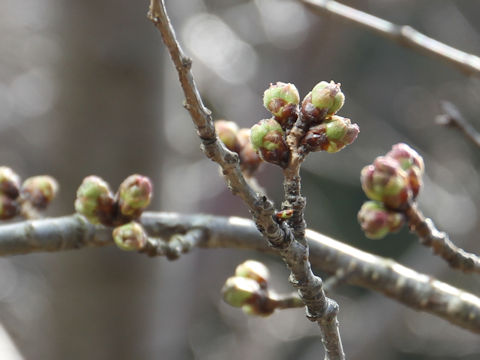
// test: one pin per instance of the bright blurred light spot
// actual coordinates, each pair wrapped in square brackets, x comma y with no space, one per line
[219,48]
[285,22]
[8,350]
[33,93]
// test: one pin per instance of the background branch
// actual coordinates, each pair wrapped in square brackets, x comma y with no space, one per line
[401,34]
[418,291]
[452,117]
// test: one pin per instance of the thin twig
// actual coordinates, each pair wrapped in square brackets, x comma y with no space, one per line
[295,254]
[415,290]
[401,34]
[452,117]
[440,243]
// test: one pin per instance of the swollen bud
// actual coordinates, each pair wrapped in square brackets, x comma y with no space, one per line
[411,162]
[253,270]
[130,237]
[39,191]
[267,139]
[386,181]
[239,291]
[95,201]
[9,208]
[377,221]
[9,182]
[281,100]
[327,96]
[134,195]
[249,159]
[331,136]
[227,133]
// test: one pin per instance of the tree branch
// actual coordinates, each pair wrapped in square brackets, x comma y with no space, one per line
[415,290]
[279,235]
[453,118]
[440,243]
[401,34]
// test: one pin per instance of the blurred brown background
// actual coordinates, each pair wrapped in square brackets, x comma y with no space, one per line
[87,88]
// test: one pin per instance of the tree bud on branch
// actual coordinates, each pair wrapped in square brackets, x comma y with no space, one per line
[282,100]
[130,237]
[239,291]
[227,133]
[134,195]
[9,208]
[377,221]
[95,201]
[411,162]
[253,270]
[249,159]
[267,139]
[9,182]
[327,97]
[39,191]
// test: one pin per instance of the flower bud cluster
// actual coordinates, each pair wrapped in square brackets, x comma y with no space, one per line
[97,203]
[248,289]
[36,192]
[393,181]
[321,129]
[238,140]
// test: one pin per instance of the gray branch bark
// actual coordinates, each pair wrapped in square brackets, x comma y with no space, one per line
[415,290]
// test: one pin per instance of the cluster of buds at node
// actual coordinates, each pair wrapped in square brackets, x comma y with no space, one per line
[248,289]
[377,221]
[35,193]
[238,140]
[318,128]
[97,203]
[394,180]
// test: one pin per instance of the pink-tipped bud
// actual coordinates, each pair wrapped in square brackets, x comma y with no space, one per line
[134,195]
[39,191]
[9,182]
[331,136]
[377,221]
[327,96]
[282,100]
[267,139]
[227,133]
[411,162]
[386,181]
[95,201]
[249,159]
[130,237]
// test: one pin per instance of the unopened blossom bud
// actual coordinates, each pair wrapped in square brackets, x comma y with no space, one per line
[267,139]
[134,195]
[253,270]
[39,191]
[411,162]
[9,208]
[386,181]
[239,291]
[328,96]
[130,237]
[257,310]
[249,159]
[312,115]
[281,99]
[9,182]
[227,133]
[377,221]
[95,201]
[331,136]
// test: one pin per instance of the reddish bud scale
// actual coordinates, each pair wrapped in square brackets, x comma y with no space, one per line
[280,155]
[9,208]
[289,114]
[312,115]
[39,191]
[9,182]
[249,159]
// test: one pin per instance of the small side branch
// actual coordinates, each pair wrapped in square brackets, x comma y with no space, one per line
[452,117]
[401,34]
[440,243]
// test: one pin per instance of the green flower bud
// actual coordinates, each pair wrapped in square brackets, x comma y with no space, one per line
[227,133]
[386,181]
[134,195]
[253,270]
[327,96]
[9,208]
[411,162]
[130,237]
[39,191]
[249,159]
[377,221]
[331,136]
[9,182]
[239,291]
[281,100]
[95,201]
[267,139]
